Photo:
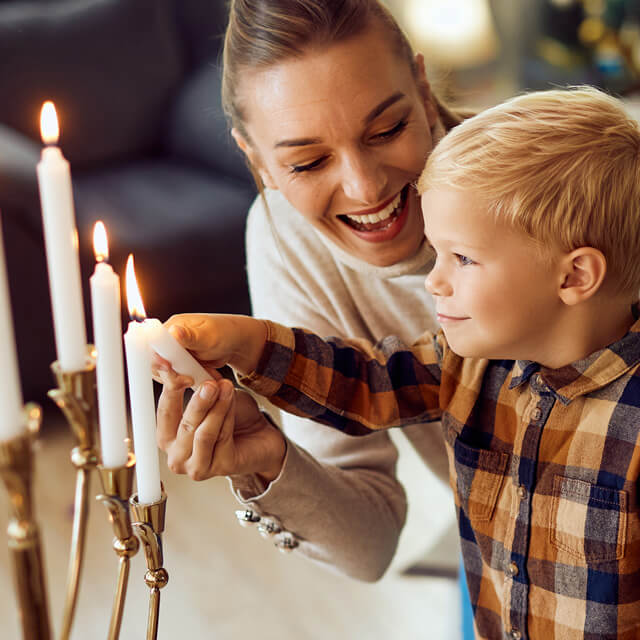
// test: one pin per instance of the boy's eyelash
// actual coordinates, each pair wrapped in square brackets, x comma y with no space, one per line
[390,133]
[463,260]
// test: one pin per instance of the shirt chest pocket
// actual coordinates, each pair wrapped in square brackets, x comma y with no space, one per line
[588,522]
[479,476]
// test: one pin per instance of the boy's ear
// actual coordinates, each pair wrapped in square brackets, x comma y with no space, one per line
[425,91]
[583,272]
[253,158]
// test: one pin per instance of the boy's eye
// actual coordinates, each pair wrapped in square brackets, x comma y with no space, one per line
[390,133]
[463,260]
[300,168]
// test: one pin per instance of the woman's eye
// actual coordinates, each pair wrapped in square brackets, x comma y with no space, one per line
[390,133]
[300,168]
[463,260]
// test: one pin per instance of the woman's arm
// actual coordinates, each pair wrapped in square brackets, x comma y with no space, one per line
[338,495]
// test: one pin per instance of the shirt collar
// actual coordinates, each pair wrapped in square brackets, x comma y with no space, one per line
[586,375]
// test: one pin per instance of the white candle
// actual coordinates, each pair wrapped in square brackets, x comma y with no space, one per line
[143,408]
[61,241]
[107,335]
[143,412]
[165,345]
[12,422]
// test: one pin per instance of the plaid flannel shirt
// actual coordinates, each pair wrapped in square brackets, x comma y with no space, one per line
[544,465]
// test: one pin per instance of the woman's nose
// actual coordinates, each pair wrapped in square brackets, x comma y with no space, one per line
[364,179]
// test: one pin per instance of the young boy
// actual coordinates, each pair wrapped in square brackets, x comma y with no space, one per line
[533,209]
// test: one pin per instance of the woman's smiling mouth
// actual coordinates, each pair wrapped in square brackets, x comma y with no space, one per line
[381,225]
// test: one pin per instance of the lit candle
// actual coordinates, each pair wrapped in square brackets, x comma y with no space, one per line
[61,241]
[143,410]
[107,334]
[12,422]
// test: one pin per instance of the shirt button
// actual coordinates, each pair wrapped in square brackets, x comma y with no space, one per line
[536,414]
[247,517]
[512,570]
[522,492]
[514,634]
[268,526]
[286,543]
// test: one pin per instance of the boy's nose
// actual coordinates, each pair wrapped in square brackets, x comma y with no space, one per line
[436,285]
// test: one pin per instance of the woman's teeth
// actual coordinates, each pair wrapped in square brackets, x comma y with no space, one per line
[364,222]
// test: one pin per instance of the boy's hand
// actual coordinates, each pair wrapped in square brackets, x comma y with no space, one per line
[220,432]
[217,339]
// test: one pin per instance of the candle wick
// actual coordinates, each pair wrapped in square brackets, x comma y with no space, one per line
[136,317]
[101,257]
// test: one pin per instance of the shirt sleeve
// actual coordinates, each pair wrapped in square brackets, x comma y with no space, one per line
[350,385]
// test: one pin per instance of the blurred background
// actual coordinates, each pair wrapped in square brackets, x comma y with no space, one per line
[137,88]
[482,51]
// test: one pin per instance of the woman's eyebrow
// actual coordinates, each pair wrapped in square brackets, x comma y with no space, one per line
[372,115]
[385,104]
[297,142]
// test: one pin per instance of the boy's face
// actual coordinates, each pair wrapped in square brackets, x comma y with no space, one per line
[496,297]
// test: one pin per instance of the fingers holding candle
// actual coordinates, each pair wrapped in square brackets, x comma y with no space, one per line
[222,432]
[217,339]
[163,372]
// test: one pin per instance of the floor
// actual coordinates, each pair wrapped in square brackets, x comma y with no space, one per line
[226,582]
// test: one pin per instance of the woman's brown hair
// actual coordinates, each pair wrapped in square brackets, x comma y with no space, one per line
[262,33]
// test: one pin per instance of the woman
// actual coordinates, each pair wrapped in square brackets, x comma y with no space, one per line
[336,119]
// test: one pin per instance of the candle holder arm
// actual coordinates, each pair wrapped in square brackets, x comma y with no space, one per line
[149,525]
[117,485]
[76,398]
[16,469]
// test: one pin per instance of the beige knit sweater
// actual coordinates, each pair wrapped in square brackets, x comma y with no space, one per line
[337,494]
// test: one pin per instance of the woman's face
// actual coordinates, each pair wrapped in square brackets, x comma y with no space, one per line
[342,133]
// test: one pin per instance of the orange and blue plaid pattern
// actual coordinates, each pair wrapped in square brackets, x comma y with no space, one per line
[544,464]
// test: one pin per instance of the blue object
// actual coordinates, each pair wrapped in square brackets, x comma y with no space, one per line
[465,606]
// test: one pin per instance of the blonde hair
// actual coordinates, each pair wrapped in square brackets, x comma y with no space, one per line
[563,166]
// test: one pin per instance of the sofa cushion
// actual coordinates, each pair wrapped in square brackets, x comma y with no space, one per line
[197,129]
[184,226]
[110,66]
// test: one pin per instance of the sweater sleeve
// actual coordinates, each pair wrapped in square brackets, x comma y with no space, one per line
[338,495]
[350,385]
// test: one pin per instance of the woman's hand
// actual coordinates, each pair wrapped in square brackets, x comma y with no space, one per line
[220,432]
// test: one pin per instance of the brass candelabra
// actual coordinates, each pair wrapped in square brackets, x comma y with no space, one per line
[75,395]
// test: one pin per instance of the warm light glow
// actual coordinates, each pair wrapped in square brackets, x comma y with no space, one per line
[134,299]
[453,33]
[100,242]
[49,129]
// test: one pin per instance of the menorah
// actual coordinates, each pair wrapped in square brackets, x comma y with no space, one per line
[90,389]
[76,397]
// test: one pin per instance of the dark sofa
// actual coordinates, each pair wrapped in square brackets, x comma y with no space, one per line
[137,89]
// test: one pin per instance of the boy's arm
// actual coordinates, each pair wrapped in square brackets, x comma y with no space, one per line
[350,385]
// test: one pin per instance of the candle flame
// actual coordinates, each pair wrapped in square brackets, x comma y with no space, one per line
[49,129]
[134,299]
[100,242]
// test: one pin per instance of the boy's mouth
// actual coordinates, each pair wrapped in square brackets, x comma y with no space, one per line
[380,220]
